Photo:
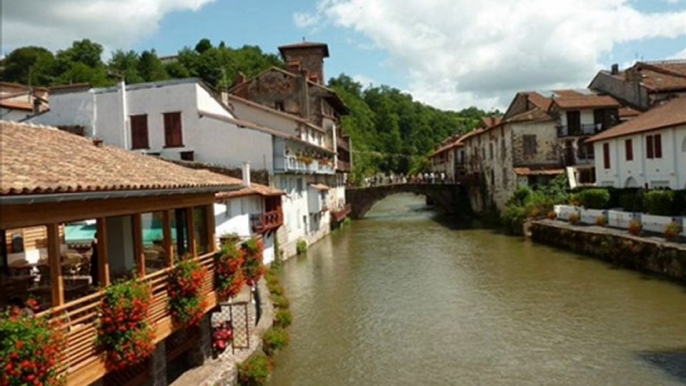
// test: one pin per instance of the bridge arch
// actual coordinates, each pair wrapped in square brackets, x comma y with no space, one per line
[448,197]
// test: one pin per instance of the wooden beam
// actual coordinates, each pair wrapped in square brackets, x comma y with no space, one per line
[103,259]
[192,248]
[139,255]
[54,258]
[209,220]
[19,216]
[167,241]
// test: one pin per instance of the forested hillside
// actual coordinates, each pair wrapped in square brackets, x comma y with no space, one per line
[391,132]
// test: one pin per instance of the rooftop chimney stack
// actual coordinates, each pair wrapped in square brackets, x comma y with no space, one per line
[615,69]
[309,57]
[246,174]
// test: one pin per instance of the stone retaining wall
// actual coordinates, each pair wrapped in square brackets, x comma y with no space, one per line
[646,254]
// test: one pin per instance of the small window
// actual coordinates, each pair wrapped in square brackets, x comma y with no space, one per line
[606,155]
[172,130]
[529,145]
[299,185]
[654,146]
[629,150]
[139,132]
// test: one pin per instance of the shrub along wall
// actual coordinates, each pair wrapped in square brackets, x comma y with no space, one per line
[623,250]
[671,202]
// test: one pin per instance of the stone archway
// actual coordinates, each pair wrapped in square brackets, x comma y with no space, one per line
[631,183]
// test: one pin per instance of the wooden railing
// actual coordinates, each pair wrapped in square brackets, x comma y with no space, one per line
[82,359]
[267,221]
[343,166]
[340,214]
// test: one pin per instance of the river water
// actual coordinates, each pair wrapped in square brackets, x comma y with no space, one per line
[401,298]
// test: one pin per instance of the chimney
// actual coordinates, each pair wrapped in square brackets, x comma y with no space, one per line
[615,69]
[246,174]
[36,106]
[97,142]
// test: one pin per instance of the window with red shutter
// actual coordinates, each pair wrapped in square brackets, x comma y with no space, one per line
[606,155]
[172,130]
[649,147]
[139,132]
[629,150]
[658,145]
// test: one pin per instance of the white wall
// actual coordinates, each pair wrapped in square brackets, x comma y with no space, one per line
[670,170]
[70,109]
[13,114]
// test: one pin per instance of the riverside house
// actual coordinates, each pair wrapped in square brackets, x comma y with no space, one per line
[648,151]
[147,213]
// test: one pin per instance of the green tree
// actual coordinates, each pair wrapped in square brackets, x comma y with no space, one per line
[126,64]
[29,65]
[151,68]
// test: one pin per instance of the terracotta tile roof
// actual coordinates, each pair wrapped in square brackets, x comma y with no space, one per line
[320,187]
[16,105]
[673,113]
[658,76]
[628,112]
[44,160]
[535,115]
[488,122]
[538,172]
[253,190]
[305,45]
[539,100]
[586,101]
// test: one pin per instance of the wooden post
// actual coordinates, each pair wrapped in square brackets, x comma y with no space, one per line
[54,258]
[138,244]
[167,240]
[103,259]
[192,250]
[209,220]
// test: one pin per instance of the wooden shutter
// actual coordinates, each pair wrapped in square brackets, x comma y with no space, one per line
[649,147]
[658,145]
[606,155]
[172,130]
[139,132]
[628,144]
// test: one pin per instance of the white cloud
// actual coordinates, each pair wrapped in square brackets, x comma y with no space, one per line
[56,23]
[305,20]
[364,80]
[461,52]
[679,55]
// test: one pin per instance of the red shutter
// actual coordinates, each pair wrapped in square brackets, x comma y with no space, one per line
[658,145]
[606,155]
[172,130]
[139,132]
[629,150]
[649,147]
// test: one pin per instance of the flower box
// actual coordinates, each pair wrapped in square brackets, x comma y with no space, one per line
[620,219]
[589,216]
[656,224]
[564,211]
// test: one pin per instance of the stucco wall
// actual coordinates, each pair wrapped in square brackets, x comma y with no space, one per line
[546,143]
[70,109]
[670,170]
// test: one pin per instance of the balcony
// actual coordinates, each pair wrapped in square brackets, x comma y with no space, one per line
[579,131]
[343,143]
[343,166]
[340,214]
[305,165]
[266,222]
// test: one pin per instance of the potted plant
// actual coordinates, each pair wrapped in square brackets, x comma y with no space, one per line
[253,268]
[601,221]
[635,227]
[574,218]
[229,269]
[672,230]
[185,285]
[552,216]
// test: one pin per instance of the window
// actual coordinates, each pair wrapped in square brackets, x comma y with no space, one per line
[139,132]
[299,185]
[280,105]
[179,226]
[490,150]
[529,145]
[654,146]
[629,150]
[172,130]
[574,122]
[606,155]
[200,231]
[152,229]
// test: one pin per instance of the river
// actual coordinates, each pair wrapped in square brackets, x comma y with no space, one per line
[401,298]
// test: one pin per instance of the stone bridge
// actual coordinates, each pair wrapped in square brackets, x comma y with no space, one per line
[450,198]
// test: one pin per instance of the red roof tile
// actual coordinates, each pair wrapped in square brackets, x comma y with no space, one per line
[44,160]
[671,114]
[586,101]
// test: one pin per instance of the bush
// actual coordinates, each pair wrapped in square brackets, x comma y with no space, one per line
[632,202]
[280,301]
[275,288]
[301,247]
[513,218]
[551,215]
[254,371]
[283,318]
[574,218]
[595,198]
[659,202]
[679,206]
[672,231]
[274,340]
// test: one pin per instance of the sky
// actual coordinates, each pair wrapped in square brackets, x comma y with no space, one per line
[450,54]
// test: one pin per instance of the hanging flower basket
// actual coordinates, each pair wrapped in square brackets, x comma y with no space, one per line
[253,268]
[30,348]
[185,285]
[229,271]
[124,331]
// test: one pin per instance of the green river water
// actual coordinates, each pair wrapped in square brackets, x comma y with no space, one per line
[403,298]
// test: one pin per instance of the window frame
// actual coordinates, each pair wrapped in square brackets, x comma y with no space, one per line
[606,156]
[170,140]
[629,149]
[134,133]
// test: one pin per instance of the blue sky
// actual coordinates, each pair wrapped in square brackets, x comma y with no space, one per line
[448,53]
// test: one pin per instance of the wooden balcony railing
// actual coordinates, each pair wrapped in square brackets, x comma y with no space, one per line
[339,215]
[343,166]
[83,360]
[267,221]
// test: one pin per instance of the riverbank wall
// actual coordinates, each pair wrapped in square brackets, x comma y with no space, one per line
[646,254]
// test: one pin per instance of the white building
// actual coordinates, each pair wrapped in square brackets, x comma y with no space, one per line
[649,150]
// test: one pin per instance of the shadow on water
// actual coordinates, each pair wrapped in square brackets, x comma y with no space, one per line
[673,362]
